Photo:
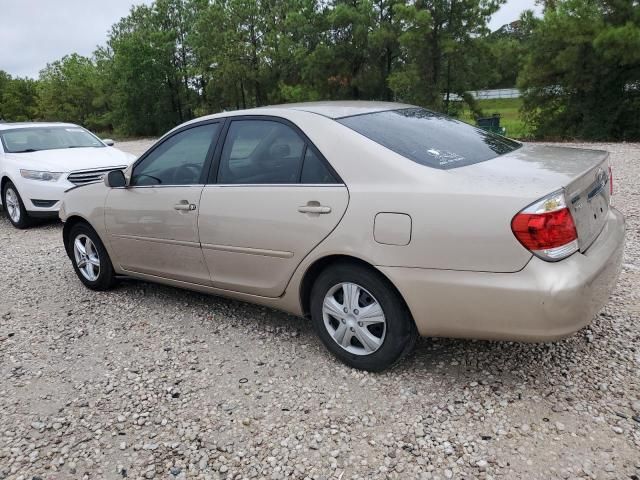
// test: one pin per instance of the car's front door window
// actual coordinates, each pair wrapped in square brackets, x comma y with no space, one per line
[179,160]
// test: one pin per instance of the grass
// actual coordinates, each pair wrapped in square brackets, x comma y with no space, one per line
[509,110]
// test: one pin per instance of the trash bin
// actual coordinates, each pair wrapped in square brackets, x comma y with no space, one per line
[491,124]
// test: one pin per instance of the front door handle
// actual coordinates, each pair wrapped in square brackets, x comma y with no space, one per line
[185,206]
[314,209]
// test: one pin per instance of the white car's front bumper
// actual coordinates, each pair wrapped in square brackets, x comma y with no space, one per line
[42,199]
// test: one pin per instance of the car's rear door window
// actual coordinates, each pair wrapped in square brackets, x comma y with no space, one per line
[270,151]
[430,138]
[314,170]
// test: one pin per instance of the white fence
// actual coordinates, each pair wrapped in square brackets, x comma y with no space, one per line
[490,94]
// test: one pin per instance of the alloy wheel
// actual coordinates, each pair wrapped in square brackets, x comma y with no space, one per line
[354,318]
[87,258]
[12,205]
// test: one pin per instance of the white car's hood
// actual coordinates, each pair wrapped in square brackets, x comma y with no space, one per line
[72,159]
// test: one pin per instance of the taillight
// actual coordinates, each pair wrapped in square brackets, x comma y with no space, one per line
[610,181]
[546,228]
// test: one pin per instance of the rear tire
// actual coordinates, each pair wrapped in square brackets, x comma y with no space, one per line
[14,207]
[90,259]
[361,318]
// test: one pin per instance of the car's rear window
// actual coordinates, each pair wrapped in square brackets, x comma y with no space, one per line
[430,138]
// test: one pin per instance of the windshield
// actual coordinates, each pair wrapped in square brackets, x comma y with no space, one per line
[430,138]
[33,139]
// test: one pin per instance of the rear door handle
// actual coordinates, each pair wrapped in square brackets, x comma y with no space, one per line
[314,209]
[185,205]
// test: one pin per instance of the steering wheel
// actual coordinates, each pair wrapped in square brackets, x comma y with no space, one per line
[186,174]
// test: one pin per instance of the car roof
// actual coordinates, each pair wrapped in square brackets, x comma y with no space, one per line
[343,108]
[329,109]
[12,125]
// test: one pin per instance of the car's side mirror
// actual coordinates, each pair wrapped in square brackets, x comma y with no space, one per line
[108,142]
[115,179]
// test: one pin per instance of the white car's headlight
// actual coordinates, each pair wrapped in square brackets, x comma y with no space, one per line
[38,175]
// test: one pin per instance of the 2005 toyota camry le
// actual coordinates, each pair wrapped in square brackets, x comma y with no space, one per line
[379,221]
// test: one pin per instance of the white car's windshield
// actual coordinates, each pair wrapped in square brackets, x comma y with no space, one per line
[33,139]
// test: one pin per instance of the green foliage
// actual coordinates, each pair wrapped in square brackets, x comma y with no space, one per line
[147,67]
[582,77]
[508,47]
[17,98]
[442,49]
[507,108]
[68,91]
[232,44]
[172,60]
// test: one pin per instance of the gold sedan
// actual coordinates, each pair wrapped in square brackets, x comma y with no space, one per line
[379,221]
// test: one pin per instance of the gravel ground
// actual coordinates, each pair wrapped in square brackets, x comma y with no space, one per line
[149,381]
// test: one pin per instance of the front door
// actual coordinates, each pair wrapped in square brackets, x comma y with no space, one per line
[153,223]
[274,199]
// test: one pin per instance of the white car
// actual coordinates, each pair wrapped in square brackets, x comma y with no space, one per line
[40,161]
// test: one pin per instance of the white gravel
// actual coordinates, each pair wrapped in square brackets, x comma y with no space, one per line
[149,381]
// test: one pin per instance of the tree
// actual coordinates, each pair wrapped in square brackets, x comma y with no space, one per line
[149,61]
[509,46]
[231,54]
[67,91]
[17,98]
[440,54]
[383,49]
[295,30]
[137,64]
[582,76]
[171,60]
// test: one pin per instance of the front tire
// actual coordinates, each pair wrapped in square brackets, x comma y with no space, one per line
[361,318]
[90,259]
[14,207]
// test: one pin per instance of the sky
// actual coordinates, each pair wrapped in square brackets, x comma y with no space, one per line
[511,11]
[36,32]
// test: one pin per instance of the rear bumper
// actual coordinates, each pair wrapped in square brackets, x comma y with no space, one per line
[543,301]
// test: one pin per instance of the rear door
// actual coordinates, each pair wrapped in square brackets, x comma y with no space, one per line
[153,223]
[271,200]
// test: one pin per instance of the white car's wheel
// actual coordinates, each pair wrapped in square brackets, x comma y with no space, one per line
[14,207]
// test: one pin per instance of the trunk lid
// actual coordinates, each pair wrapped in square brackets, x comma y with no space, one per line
[534,171]
[588,197]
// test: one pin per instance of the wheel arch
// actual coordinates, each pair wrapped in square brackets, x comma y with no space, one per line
[72,221]
[321,264]
[3,182]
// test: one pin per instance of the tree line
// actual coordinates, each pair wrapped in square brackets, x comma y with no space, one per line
[578,67]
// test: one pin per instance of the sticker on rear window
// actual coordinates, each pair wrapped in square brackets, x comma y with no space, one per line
[445,157]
